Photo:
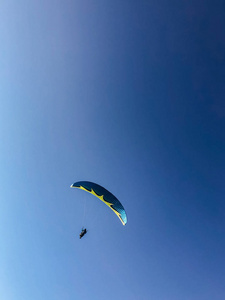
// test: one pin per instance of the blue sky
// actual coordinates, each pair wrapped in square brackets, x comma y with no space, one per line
[128,95]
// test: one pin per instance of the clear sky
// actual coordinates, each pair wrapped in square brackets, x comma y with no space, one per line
[130,95]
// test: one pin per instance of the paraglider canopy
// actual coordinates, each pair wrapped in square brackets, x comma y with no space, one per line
[105,196]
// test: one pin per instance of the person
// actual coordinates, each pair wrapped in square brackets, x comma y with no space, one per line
[83,232]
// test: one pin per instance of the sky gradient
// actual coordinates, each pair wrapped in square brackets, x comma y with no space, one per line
[129,95]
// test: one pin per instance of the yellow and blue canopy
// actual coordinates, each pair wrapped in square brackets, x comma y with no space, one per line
[105,196]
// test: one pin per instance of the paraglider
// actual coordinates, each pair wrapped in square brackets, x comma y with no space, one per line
[105,196]
[83,232]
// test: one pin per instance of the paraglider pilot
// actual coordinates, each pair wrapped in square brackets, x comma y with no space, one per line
[83,232]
